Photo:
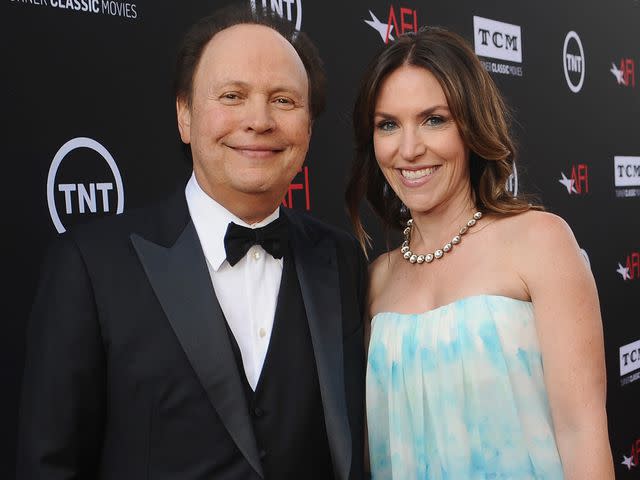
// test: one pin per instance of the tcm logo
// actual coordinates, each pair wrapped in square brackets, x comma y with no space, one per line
[626,171]
[68,189]
[578,182]
[634,456]
[573,60]
[497,39]
[299,185]
[629,358]
[289,9]
[631,269]
[630,372]
[625,73]
[399,21]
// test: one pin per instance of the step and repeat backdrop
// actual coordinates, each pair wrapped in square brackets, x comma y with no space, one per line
[90,130]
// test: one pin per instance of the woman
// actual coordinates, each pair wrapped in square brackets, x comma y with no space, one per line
[484,290]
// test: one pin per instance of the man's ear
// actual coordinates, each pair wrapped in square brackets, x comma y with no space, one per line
[184,119]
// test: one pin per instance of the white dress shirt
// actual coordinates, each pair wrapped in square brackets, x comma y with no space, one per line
[248,291]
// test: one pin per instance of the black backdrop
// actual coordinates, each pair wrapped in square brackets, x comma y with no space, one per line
[97,74]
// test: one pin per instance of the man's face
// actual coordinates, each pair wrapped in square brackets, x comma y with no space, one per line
[248,123]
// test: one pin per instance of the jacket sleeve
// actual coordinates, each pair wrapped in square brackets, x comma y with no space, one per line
[62,407]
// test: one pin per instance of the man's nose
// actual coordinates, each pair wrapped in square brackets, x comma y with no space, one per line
[259,116]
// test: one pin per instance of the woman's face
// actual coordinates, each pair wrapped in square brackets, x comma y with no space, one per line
[417,143]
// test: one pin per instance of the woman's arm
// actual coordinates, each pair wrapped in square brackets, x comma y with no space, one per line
[569,326]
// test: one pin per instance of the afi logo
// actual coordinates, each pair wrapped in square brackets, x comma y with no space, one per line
[631,270]
[578,182]
[398,22]
[303,185]
[79,195]
[626,73]
[284,8]
[497,39]
[632,460]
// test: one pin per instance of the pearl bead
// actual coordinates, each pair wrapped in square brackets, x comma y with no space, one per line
[412,258]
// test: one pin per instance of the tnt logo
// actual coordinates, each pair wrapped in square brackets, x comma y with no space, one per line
[399,21]
[289,9]
[626,73]
[631,269]
[578,182]
[632,460]
[573,61]
[302,186]
[87,183]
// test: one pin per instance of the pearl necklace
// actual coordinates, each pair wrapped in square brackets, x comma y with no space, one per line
[411,257]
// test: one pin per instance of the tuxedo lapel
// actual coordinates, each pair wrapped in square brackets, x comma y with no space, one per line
[181,281]
[317,270]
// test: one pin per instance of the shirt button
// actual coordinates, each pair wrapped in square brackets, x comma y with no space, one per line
[256,255]
[262,332]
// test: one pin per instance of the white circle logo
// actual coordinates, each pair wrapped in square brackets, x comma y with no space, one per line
[86,196]
[284,9]
[573,62]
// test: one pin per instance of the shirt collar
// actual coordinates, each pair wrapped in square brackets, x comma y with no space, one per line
[211,220]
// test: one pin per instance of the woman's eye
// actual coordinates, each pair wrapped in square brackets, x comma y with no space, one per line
[434,121]
[386,125]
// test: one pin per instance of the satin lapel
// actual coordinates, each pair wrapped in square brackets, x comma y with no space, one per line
[181,281]
[317,269]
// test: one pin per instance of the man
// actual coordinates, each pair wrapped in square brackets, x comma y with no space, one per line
[158,346]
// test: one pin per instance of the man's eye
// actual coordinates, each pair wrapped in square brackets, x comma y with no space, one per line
[230,96]
[284,102]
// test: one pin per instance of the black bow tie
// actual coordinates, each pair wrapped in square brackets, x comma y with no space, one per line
[272,237]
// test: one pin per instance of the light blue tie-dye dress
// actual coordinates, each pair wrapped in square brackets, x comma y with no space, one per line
[457,393]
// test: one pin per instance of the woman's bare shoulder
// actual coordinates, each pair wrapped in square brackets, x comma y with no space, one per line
[537,230]
[382,266]
[380,272]
[533,230]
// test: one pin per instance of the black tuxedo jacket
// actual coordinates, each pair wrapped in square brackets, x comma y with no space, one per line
[129,370]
